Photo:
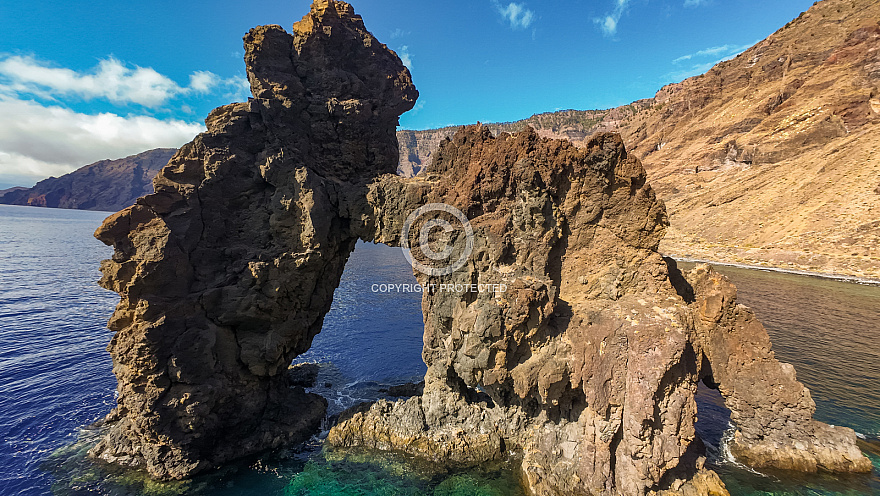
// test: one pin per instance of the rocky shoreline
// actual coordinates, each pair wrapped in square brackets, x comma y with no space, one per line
[582,356]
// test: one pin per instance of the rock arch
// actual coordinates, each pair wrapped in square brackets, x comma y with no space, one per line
[587,363]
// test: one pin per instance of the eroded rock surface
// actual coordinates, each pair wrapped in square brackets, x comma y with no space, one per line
[588,363]
[576,345]
[227,270]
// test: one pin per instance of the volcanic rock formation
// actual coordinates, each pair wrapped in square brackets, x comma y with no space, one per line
[227,270]
[588,363]
[563,336]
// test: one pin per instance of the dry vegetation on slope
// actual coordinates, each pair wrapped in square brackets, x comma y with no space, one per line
[772,158]
[767,159]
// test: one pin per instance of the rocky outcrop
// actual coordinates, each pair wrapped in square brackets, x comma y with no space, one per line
[417,147]
[109,185]
[779,433]
[226,271]
[588,363]
[553,328]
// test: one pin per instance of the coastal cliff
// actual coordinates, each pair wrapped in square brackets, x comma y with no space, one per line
[109,185]
[558,333]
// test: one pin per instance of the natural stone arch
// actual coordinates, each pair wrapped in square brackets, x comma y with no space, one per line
[587,364]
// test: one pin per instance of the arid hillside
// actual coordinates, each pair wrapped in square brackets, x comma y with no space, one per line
[772,157]
[767,159]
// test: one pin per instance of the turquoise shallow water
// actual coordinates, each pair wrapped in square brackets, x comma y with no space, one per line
[55,375]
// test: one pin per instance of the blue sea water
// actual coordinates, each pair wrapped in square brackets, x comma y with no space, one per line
[55,375]
[54,371]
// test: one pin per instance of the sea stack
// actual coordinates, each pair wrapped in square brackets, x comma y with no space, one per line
[226,271]
[562,336]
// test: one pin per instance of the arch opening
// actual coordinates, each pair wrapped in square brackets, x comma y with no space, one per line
[370,344]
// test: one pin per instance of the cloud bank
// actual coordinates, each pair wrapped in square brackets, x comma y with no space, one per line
[40,136]
[110,80]
[37,141]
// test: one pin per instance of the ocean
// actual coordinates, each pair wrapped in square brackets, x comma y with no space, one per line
[55,375]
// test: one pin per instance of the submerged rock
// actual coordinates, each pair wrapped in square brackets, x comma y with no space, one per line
[553,328]
[303,374]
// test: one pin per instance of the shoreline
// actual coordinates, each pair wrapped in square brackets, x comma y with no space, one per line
[865,281]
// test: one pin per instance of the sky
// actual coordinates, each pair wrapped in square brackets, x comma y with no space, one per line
[86,81]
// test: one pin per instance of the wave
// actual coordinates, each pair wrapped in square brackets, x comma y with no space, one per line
[727,455]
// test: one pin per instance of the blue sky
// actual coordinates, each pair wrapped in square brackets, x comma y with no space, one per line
[84,81]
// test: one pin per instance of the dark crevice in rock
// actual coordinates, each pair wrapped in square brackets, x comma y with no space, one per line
[682,287]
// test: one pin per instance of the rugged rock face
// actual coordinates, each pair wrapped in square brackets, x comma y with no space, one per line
[227,270]
[779,433]
[588,363]
[417,147]
[562,335]
[109,185]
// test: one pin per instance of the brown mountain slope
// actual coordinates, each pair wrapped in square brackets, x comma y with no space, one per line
[109,185]
[772,157]
[767,159]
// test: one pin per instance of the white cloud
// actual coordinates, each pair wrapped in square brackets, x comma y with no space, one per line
[40,136]
[725,51]
[405,57]
[695,3]
[37,141]
[608,23]
[110,80]
[237,88]
[203,81]
[516,14]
